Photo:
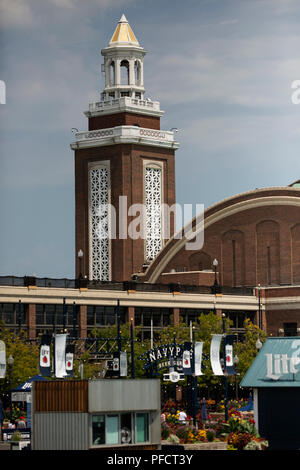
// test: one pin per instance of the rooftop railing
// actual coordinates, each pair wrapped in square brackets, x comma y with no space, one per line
[65,283]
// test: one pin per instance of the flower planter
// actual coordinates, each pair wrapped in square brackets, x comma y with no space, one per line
[217,445]
[19,445]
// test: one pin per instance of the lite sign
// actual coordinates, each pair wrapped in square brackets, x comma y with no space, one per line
[278,365]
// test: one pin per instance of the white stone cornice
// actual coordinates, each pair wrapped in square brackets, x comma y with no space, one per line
[47,295]
[125,104]
[125,135]
[282,303]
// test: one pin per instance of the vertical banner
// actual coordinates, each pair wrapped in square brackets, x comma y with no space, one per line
[70,359]
[198,348]
[229,355]
[60,356]
[187,368]
[116,364]
[45,363]
[123,364]
[215,354]
[2,360]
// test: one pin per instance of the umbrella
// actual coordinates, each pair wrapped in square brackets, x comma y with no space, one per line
[21,392]
[248,406]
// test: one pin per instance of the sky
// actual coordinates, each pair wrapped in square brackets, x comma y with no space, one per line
[222,70]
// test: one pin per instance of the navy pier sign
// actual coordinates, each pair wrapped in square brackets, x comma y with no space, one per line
[180,359]
[160,357]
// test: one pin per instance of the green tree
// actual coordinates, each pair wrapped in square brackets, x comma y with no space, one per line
[26,358]
[246,350]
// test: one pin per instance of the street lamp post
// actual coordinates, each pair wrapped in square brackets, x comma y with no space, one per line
[225,371]
[80,256]
[259,309]
[215,265]
[10,361]
[235,362]
[132,349]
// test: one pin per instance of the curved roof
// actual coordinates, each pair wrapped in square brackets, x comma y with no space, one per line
[123,34]
[225,208]
[296,184]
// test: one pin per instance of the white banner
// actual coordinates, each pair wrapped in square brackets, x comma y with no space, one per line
[60,355]
[186,360]
[198,357]
[45,355]
[215,354]
[2,360]
[123,364]
[69,361]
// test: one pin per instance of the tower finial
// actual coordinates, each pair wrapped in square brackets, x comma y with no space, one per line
[123,34]
[123,19]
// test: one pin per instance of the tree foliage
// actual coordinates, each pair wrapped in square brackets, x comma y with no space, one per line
[26,353]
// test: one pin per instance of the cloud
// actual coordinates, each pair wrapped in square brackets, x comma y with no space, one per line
[26,13]
[16,13]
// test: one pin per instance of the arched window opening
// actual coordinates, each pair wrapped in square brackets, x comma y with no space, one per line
[124,72]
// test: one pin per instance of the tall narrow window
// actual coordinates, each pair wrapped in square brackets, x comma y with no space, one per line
[99,223]
[153,200]
[234,263]
[269,265]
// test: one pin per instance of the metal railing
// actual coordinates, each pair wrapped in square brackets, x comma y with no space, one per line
[66,283]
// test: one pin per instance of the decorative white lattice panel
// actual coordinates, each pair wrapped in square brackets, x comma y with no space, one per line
[153,226]
[99,201]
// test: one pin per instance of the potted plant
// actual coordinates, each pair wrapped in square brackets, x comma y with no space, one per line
[16,442]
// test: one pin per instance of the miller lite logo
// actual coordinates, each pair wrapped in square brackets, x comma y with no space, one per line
[116,364]
[229,354]
[186,359]
[45,356]
[69,361]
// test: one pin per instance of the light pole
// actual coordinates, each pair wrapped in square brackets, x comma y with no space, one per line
[132,349]
[259,309]
[10,361]
[215,265]
[80,256]
[235,362]
[225,371]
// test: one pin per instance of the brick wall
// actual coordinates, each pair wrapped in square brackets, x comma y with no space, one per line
[126,166]
[124,119]
[259,245]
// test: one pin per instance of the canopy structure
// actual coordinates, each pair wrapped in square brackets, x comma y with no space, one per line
[276,365]
[23,392]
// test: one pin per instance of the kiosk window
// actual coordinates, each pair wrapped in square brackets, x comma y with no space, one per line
[112,429]
[142,427]
[98,430]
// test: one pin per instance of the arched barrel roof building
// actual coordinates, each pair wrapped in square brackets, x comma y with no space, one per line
[255,236]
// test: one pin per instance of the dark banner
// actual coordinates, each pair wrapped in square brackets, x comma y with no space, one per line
[45,358]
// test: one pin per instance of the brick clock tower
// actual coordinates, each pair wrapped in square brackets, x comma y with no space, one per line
[124,170]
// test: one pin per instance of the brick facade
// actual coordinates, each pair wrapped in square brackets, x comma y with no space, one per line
[124,119]
[126,167]
[256,241]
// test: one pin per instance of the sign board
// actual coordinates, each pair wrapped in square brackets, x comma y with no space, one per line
[173,376]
